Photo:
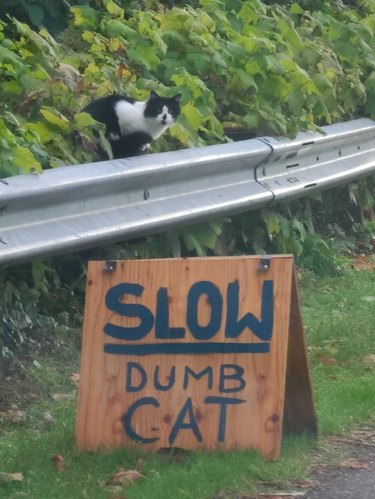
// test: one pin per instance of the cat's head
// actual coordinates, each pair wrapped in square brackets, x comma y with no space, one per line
[163,110]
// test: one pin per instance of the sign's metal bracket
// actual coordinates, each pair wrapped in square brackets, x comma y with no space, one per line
[264,264]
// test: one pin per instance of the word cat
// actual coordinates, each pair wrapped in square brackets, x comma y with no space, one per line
[130,124]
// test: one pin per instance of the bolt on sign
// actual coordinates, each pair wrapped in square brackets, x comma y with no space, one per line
[200,353]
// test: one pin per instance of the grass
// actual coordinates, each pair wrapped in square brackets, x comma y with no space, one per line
[339,316]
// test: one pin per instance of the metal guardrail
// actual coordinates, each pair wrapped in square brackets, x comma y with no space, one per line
[81,206]
[344,152]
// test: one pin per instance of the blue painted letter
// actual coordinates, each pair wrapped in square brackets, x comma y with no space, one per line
[223,401]
[199,375]
[261,328]
[190,425]
[162,329]
[130,386]
[113,302]
[236,375]
[171,379]
[127,420]
[215,300]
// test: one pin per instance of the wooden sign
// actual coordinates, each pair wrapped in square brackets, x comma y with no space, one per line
[200,353]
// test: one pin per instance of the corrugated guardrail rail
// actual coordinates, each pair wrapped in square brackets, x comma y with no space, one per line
[81,206]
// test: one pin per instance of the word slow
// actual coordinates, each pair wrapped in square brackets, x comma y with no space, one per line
[201,337]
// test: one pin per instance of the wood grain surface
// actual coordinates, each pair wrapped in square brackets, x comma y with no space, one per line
[229,398]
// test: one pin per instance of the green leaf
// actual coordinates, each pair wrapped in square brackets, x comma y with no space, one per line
[246,79]
[204,234]
[298,225]
[273,64]
[114,9]
[290,35]
[296,101]
[192,115]
[322,82]
[272,222]
[105,144]
[181,133]
[296,9]
[115,27]
[144,55]
[85,16]
[294,246]
[83,120]
[43,131]
[192,244]
[9,57]
[24,159]
[252,120]
[56,119]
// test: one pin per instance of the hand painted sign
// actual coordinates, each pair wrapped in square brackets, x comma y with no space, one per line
[200,353]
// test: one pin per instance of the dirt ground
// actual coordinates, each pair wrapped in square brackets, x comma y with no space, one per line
[354,476]
[342,468]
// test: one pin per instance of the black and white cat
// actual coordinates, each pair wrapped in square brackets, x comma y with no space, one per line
[130,124]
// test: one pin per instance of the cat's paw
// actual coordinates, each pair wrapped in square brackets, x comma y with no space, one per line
[114,136]
[145,147]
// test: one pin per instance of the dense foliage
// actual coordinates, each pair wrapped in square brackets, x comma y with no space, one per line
[269,67]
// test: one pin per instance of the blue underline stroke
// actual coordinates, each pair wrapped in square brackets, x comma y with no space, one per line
[185,348]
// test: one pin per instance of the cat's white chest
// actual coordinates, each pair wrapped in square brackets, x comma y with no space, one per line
[131,117]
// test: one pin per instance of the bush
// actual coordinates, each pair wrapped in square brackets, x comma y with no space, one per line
[268,68]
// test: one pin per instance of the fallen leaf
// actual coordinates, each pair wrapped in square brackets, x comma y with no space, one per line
[75,377]
[338,314]
[140,464]
[58,462]
[69,74]
[354,464]
[123,477]
[271,483]
[281,495]
[221,495]
[15,415]
[320,469]
[63,396]
[363,263]
[369,359]
[10,477]
[87,144]
[307,484]
[48,418]
[326,361]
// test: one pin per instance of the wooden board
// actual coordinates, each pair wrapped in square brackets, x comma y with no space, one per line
[299,411]
[191,353]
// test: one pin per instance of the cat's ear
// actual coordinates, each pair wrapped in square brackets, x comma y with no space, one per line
[177,98]
[153,95]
